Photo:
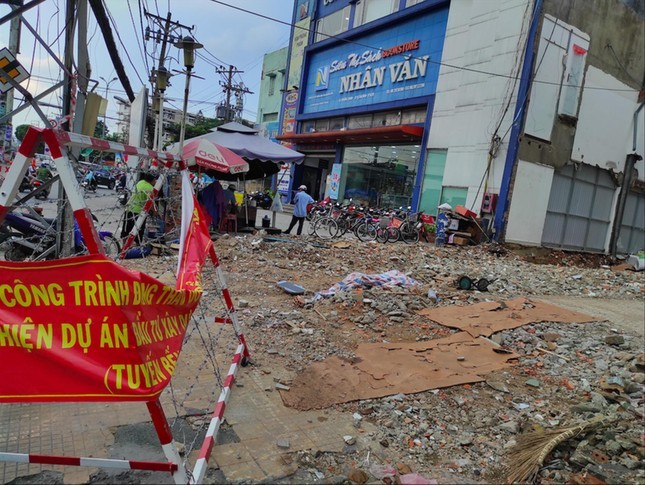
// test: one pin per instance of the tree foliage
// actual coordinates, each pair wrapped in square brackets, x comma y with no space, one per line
[21,131]
[201,127]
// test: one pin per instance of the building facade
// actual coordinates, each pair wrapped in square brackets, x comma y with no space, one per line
[364,98]
[524,111]
[274,68]
[579,174]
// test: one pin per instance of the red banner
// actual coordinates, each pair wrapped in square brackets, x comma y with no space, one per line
[87,329]
[196,241]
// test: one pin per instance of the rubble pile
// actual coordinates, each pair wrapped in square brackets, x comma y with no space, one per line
[566,372]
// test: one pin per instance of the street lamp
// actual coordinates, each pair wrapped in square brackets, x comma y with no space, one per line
[107,89]
[189,46]
[162,83]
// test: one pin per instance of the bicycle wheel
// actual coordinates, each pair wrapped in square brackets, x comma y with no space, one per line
[326,228]
[382,234]
[393,234]
[111,246]
[409,233]
[344,225]
[365,231]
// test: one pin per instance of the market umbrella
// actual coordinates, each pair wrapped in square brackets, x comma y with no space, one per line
[213,159]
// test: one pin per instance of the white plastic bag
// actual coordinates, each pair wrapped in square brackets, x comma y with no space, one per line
[276,204]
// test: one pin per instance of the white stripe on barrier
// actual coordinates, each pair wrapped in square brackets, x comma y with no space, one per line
[172,455]
[106,463]
[14,457]
[213,427]
[199,471]
[220,276]
[202,463]
[67,176]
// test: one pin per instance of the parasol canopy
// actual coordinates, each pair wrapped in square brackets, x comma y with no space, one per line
[203,153]
[263,156]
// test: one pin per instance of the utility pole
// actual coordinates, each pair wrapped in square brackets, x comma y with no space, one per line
[14,48]
[165,33]
[64,241]
[229,87]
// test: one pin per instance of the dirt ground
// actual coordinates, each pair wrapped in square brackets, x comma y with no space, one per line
[288,334]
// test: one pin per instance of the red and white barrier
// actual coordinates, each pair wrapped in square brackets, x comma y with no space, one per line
[218,415]
[56,140]
[85,461]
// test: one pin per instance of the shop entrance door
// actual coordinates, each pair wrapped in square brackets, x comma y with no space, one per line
[311,177]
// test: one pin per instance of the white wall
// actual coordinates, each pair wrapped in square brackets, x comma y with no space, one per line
[604,135]
[530,201]
[483,35]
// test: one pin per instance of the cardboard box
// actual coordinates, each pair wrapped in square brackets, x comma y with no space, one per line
[462,211]
[460,241]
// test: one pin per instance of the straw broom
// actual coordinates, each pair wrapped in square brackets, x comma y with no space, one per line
[532,448]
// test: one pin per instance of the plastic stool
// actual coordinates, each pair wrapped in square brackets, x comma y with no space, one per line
[229,223]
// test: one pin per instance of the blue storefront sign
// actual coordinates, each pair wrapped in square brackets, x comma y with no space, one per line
[399,62]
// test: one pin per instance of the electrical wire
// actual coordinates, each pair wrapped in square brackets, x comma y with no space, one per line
[116,29]
[134,29]
[613,53]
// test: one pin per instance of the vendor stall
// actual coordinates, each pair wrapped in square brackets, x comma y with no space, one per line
[263,157]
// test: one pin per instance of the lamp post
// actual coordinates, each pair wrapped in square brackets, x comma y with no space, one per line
[189,46]
[107,90]
[162,84]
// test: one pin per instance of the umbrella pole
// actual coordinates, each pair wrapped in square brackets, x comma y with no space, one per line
[277,194]
[246,202]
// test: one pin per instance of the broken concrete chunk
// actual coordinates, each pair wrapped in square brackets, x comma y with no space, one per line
[532,383]
[349,439]
[614,340]
[283,443]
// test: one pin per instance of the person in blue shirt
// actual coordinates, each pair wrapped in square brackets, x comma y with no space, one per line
[301,201]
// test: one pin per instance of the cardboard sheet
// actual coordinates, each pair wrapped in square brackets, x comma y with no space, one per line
[490,317]
[387,369]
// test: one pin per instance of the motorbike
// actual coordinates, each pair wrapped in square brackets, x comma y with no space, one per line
[262,199]
[124,196]
[29,235]
[121,181]
[89,185]
[36,184]
[25,185]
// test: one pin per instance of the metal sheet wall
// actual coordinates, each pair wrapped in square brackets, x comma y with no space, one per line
[631,238]
[579,211]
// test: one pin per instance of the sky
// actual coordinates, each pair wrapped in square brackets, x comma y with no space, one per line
[230,36]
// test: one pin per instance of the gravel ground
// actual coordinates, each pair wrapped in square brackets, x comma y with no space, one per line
[567,374]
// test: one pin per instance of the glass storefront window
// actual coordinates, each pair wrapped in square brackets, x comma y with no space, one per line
[454,196]
[368,10]
[413,116]
[333,24]
[336,124]
[307,127]
[379,176]
[360,121]
[322,125]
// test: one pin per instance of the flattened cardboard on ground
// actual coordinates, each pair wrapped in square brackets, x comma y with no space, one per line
[490,317]
[385,369]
